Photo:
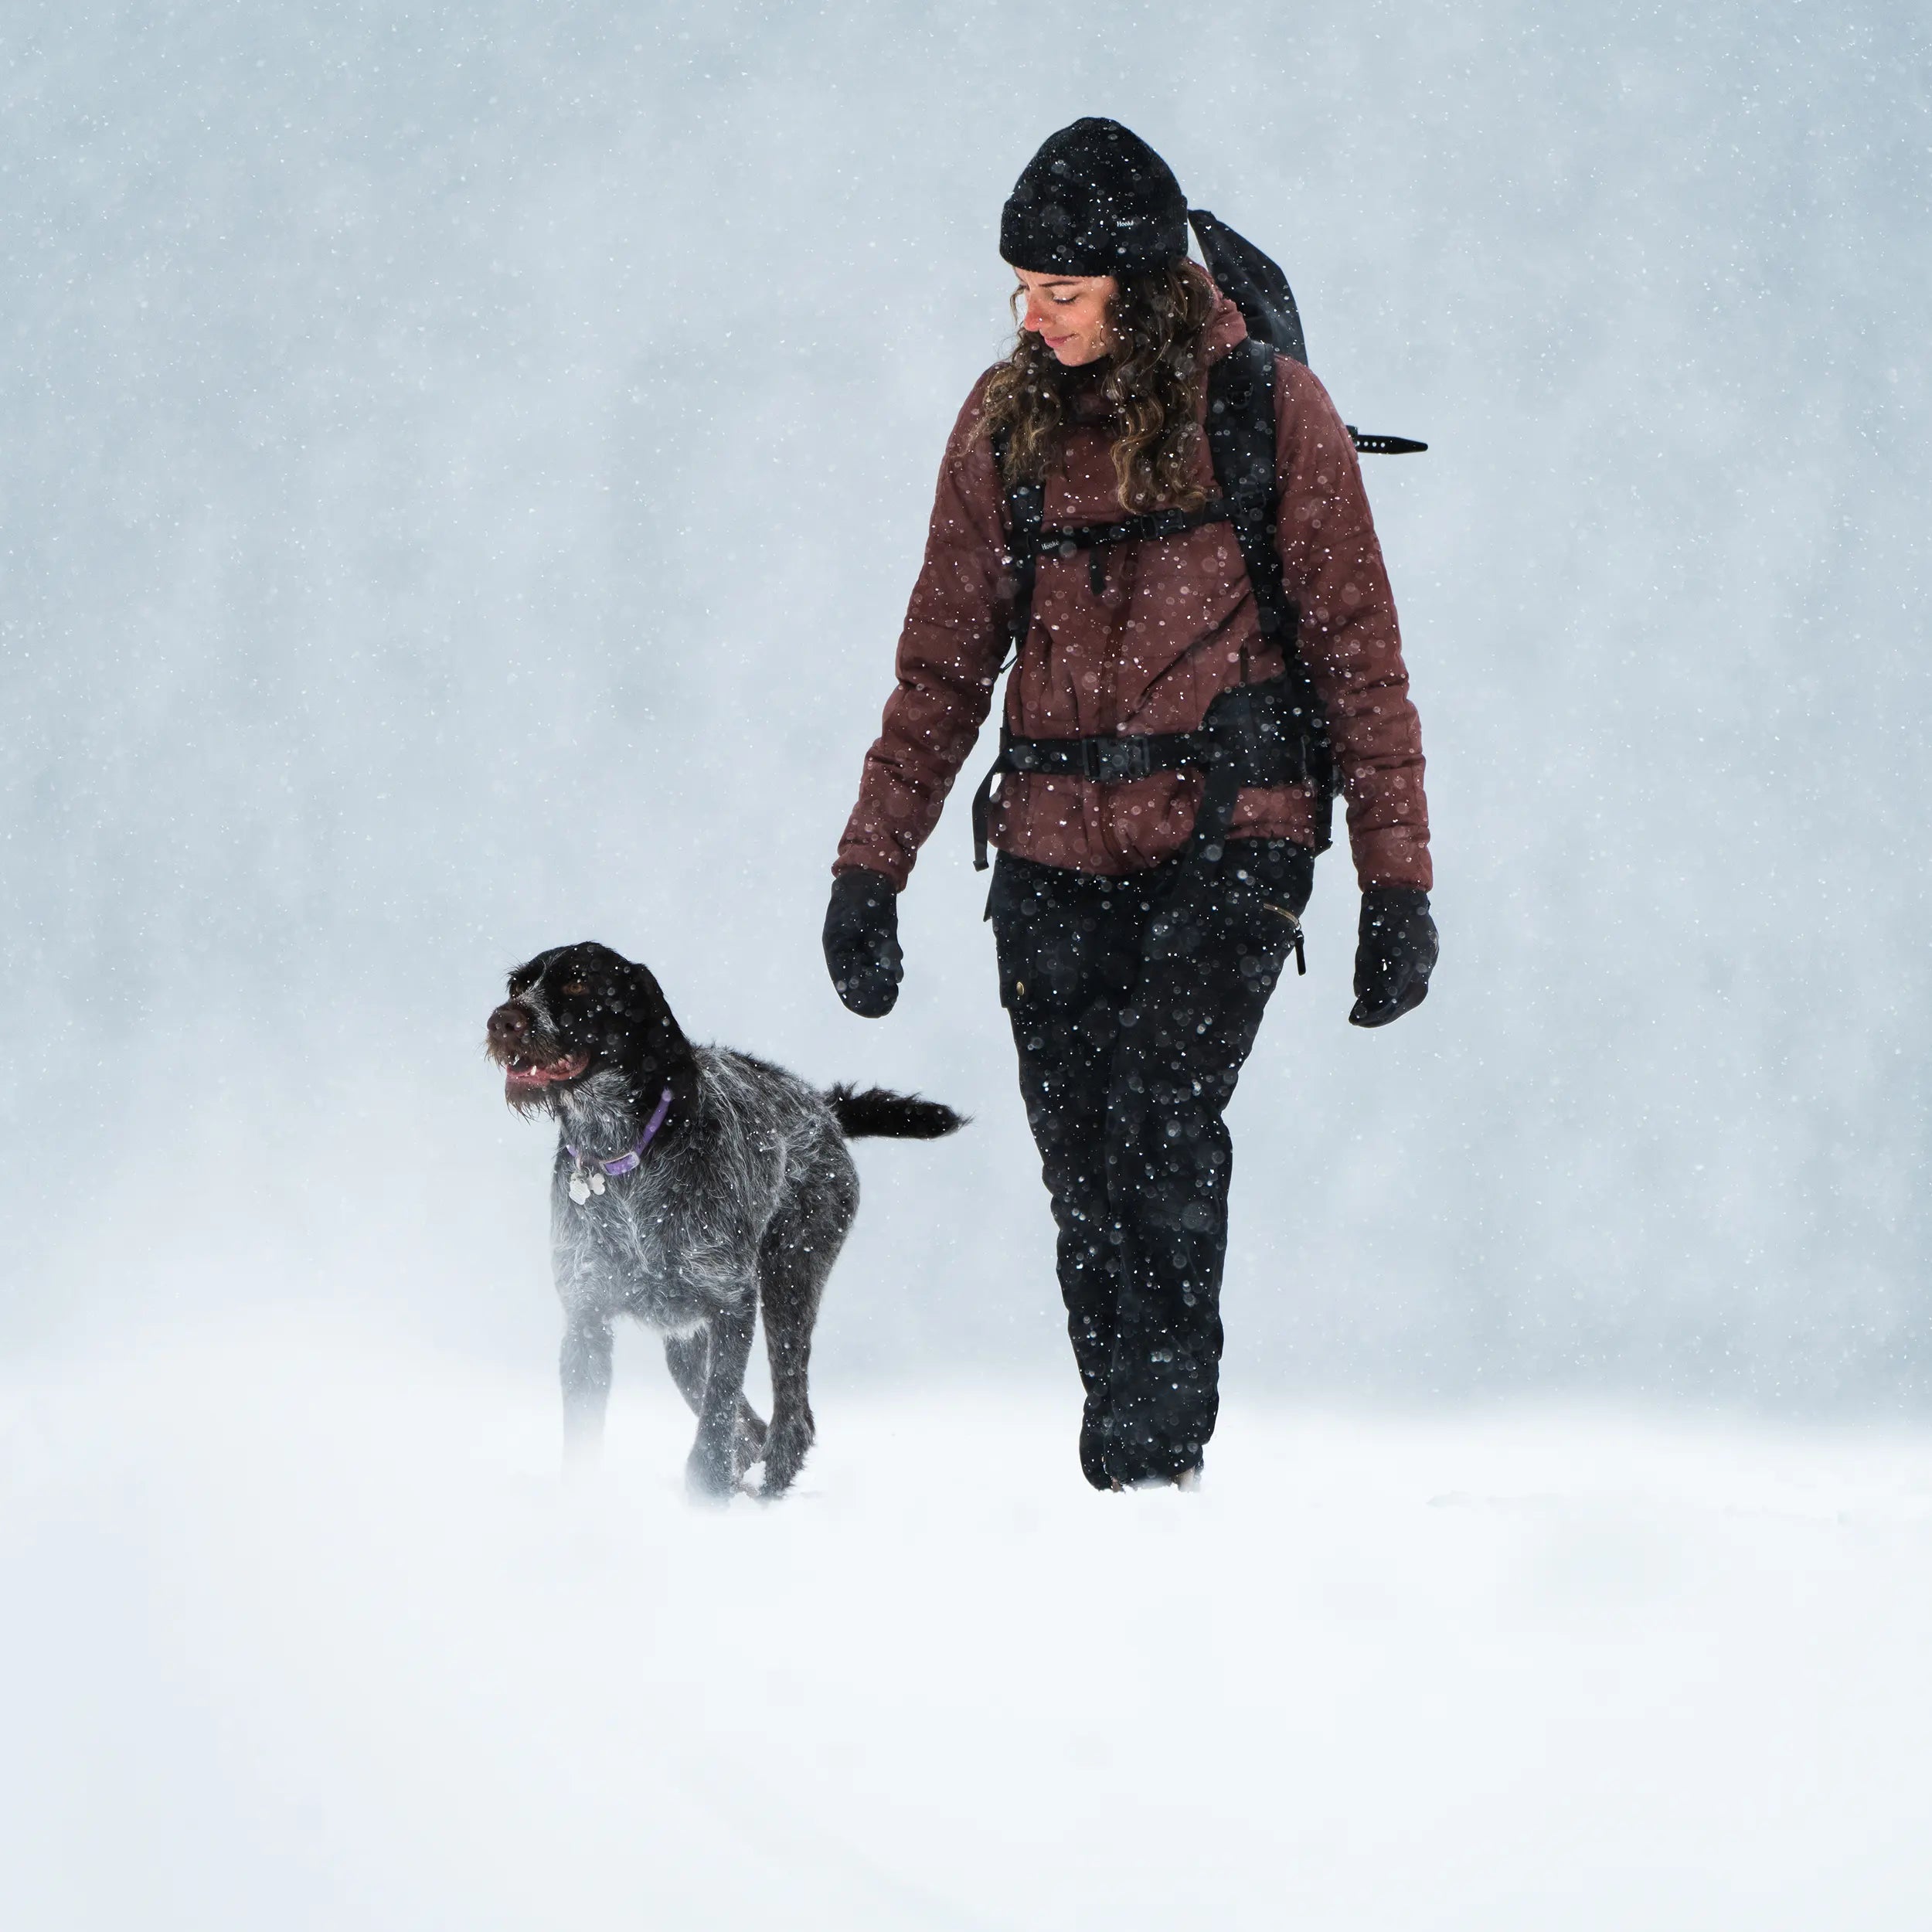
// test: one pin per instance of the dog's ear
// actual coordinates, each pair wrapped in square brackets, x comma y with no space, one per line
[661,1047]
[633,1021]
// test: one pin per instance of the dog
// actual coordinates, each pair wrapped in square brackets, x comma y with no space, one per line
[694,1188]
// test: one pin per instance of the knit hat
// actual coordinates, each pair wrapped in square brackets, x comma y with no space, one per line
[1096,200]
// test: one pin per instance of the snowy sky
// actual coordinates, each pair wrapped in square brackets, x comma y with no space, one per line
[463,470]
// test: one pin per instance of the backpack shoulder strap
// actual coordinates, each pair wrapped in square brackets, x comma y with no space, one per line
[1024,504]
[1240,431]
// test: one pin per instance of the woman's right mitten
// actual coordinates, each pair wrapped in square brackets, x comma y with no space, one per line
[861,941]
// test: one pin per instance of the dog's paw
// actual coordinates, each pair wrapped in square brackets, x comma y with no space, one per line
[786,1447]
[709,1477]
[747,1442]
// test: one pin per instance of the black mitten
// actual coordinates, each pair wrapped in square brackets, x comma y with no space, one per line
[861,941]
[1395,953]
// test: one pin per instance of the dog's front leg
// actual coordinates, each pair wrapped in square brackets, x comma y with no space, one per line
[685,1355]
[584,1369]
[712,1469]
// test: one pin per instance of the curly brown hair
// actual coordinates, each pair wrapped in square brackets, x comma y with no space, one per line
[1151,380]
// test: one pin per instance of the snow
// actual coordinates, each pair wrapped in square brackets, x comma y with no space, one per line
[307,1628]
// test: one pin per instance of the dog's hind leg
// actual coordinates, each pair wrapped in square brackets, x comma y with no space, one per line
[584,1370]
[685,1356]
[788,1342]
[714,1466]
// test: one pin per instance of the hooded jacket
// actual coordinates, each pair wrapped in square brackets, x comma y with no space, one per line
[1165,636]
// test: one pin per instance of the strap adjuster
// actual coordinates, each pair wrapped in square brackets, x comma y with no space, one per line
[1112,761]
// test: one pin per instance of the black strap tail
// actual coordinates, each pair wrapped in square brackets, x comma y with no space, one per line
[983,797]
[1367,444]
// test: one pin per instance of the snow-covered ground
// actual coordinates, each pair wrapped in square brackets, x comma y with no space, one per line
[302,1628]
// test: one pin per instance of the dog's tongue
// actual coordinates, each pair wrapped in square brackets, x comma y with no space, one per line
[566,1069]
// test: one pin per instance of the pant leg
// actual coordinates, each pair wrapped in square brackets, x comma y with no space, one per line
[1069,948]
[1213,952]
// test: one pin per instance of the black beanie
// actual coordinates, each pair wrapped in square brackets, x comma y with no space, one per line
[1096,200]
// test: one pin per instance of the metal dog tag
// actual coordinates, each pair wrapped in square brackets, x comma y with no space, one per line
[596,1181]
[580,1189]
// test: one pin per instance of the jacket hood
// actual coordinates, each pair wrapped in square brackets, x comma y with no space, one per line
[1226,329]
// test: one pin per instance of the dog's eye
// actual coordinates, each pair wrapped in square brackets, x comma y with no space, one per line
[576,989]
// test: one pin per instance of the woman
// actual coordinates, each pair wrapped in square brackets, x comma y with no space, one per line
[1136,951]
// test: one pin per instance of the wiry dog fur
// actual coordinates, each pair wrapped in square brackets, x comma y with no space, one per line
[740,1203]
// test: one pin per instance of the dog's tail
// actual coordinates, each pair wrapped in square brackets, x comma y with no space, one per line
[895,1117]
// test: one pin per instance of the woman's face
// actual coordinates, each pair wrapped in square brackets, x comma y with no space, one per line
[1068,313]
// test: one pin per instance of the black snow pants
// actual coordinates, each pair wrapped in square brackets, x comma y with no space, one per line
[1133,1003]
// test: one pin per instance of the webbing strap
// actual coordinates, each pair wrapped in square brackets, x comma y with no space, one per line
[1240,432]
[983,797]
[1070,540]
[1057,541]
[1025,503]
[1249,737]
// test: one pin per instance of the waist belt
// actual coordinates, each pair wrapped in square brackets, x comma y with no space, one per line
[1255,734]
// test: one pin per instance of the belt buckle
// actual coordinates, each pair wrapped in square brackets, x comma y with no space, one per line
[1112,761]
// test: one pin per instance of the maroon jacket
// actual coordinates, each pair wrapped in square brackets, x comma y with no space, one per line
[1150,653]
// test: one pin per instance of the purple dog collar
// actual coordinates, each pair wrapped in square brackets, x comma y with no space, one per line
[625,1163]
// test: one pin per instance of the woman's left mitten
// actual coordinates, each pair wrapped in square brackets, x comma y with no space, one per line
[861,941]
[1395,954]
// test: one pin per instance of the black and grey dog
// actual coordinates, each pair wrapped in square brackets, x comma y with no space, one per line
[694,1188]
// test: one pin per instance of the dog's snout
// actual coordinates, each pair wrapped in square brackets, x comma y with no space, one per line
[509,1025]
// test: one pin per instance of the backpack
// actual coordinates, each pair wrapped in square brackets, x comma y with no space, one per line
[1264,734]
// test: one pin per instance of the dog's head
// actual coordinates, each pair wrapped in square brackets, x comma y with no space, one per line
[581,1019]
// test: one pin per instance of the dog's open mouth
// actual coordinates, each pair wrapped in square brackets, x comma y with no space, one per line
[529,1072]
